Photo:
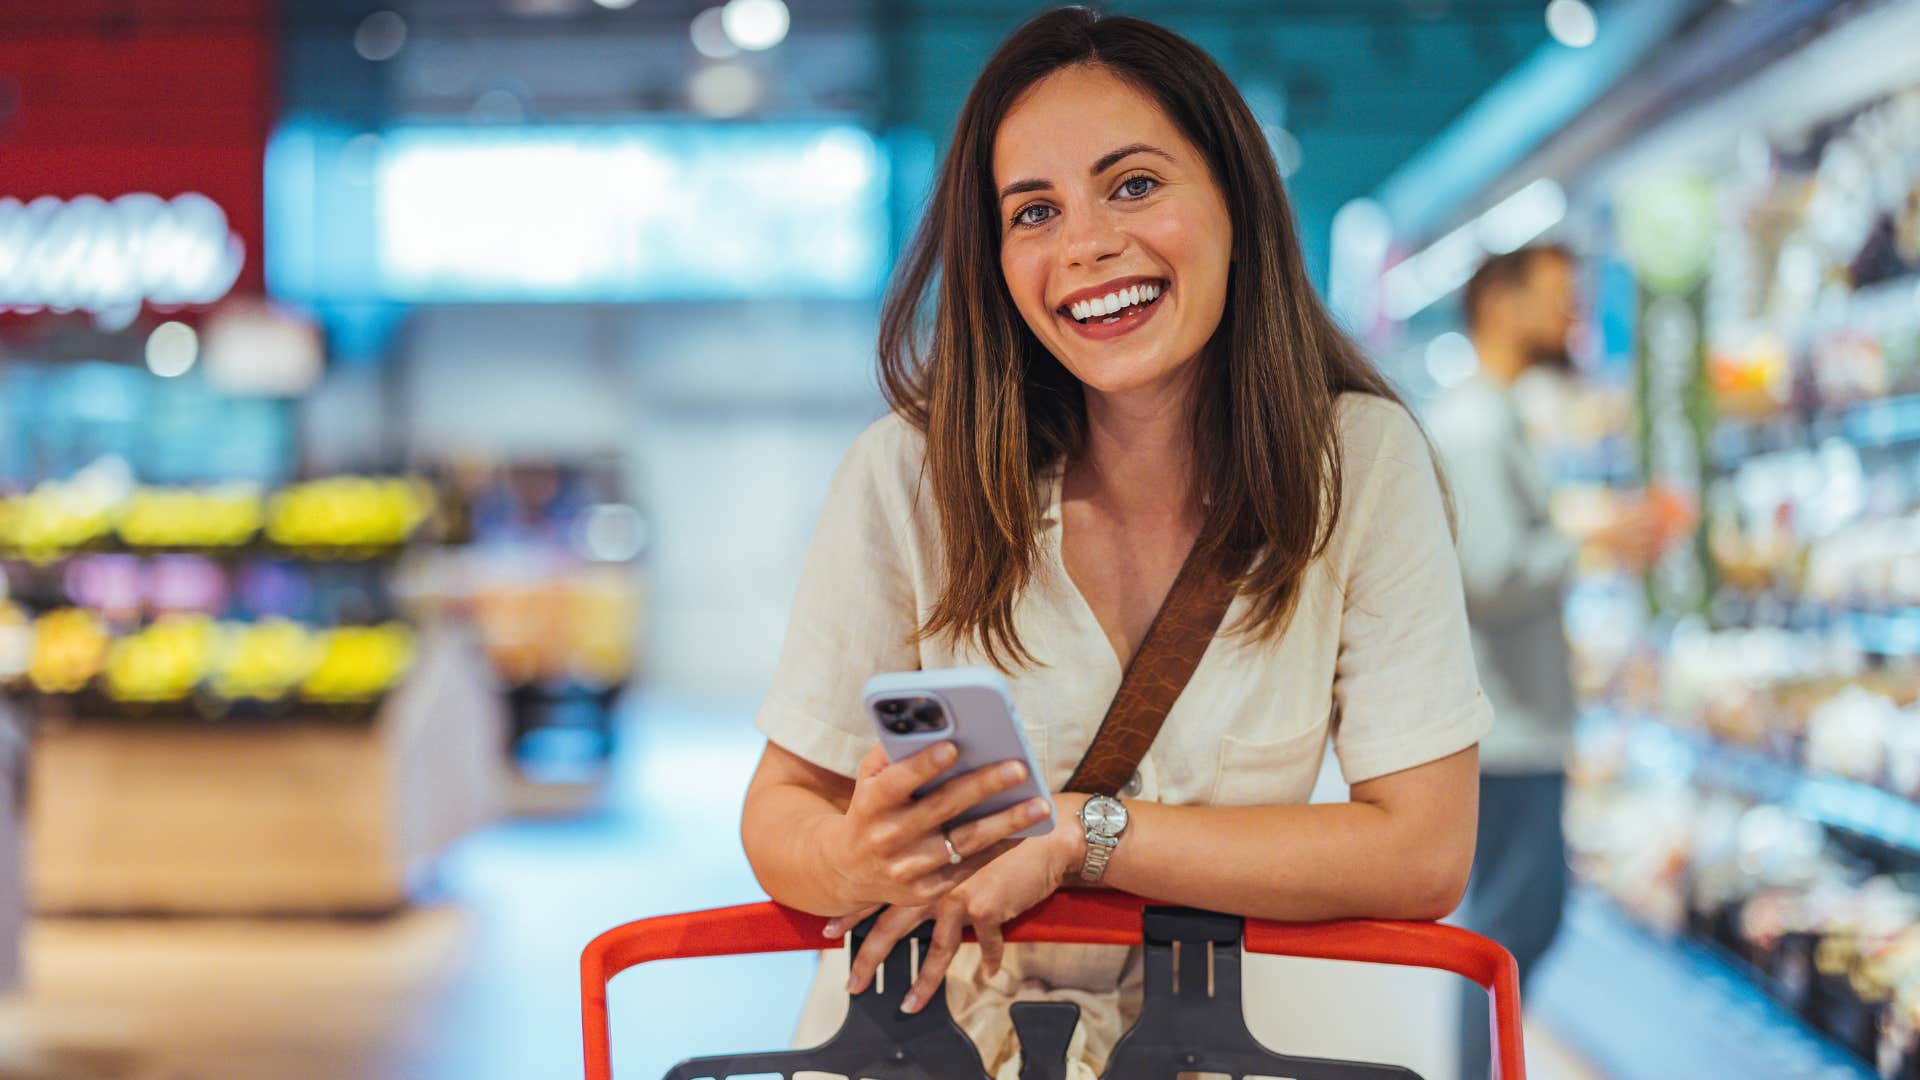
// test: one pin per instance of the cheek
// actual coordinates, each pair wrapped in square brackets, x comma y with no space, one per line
[1026,276]
[1194,242]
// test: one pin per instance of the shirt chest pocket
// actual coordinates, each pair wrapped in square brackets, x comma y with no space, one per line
[1267,772]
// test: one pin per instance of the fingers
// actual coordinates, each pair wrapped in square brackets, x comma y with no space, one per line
[975,836]
[840,924]
[963,793]
[948,930]
[993,945]
[871,765]
[895,784]
[892,926]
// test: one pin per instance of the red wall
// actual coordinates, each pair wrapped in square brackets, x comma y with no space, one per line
[107,97]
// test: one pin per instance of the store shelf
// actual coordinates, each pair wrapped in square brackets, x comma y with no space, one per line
[1641,1006]
[1870,425]
[1858,808]
[1892,630]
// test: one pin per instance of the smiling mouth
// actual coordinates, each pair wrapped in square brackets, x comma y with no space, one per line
[1116,305]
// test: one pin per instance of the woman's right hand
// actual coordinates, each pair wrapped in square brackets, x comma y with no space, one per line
[887,847]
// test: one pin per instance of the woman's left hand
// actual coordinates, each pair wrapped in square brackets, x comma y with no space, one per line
[999,892]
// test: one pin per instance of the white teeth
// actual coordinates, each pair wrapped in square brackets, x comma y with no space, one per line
[1082,310]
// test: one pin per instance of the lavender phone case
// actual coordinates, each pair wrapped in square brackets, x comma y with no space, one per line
[981,721]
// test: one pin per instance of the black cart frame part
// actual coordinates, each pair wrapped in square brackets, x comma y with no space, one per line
[1191,1018]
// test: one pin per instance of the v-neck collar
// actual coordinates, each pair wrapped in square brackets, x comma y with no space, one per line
[1076,605]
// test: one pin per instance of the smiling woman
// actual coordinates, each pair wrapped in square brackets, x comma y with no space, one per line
[1106,365]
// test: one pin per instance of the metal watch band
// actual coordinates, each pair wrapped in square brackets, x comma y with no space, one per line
[1099,850]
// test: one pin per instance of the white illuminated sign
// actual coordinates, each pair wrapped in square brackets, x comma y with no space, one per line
[109,257]
[644,212]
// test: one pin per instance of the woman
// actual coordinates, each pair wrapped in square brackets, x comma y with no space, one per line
[1124,361]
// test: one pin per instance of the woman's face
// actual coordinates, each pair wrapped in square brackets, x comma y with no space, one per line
[1114,237]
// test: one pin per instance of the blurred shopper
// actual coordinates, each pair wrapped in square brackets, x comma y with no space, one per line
[1124,372]
[1521,309]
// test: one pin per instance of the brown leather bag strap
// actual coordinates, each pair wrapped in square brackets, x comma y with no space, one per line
[1178,637]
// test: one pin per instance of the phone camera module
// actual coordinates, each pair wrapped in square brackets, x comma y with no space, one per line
[927,716]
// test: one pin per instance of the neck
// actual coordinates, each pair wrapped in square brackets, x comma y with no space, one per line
[1501,358]
[1138,459]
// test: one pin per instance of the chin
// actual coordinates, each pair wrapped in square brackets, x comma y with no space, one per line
[1124,374]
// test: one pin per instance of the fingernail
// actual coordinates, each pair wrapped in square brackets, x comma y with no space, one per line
[1013,770]
[911,1004]
[830,930]
[853,984]
[1036,810]
[945,753]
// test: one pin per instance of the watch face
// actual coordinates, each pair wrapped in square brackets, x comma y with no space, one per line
[1105,817]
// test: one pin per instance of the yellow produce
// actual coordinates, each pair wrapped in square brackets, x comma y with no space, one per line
[348,512]
[69,647]
[52,520]
[191,517]
[264,661]
[359,663]
[162,662]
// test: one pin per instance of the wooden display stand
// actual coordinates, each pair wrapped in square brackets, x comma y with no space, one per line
[290,816]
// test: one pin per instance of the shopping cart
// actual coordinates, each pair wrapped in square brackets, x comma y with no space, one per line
[1190,1020]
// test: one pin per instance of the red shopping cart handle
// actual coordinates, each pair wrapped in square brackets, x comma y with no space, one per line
[1069,917]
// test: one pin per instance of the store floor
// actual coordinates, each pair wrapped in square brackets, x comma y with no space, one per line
[478,984]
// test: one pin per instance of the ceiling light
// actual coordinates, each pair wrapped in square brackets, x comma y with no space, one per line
[755,24]
[1572,23]
[615,5]
[710,36]
[380,36]
[172,349]
[1451,359]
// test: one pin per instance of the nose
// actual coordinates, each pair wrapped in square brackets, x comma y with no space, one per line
[1091,237]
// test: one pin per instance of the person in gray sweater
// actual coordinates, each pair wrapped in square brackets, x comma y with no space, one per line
[1520,309]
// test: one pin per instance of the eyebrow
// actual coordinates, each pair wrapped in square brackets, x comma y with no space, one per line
[1106,161]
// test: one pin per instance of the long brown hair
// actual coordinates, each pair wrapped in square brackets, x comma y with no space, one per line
[959,363]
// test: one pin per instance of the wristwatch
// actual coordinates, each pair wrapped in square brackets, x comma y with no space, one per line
[1104,818]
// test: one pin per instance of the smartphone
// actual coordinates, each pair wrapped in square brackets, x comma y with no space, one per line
[912,710]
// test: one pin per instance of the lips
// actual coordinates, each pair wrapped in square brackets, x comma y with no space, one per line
[1112,324]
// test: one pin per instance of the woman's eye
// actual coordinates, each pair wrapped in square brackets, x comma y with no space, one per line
[1138,186]
[1036,214]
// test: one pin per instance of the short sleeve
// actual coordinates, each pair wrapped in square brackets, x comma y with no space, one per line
[1405,688]
[854,614]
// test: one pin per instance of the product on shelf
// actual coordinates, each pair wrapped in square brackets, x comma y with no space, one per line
[1818,926]
[162,662]
[53,519]
[213,517]
[69,650]
[359,663]
[348,512]
[264,661]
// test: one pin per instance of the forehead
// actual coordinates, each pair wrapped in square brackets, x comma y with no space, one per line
[1064,122]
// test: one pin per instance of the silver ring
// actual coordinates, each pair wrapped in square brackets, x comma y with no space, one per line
[954,858]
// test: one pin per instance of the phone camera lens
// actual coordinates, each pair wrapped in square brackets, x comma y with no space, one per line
[891,707]
[927,715]
[900,727]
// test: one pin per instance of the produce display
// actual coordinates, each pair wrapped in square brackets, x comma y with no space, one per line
[358,663]
[227,516]
[264,661]
[182,658]
[162,662]
[69,649]
[53,519]
[348,513]
[337,516]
